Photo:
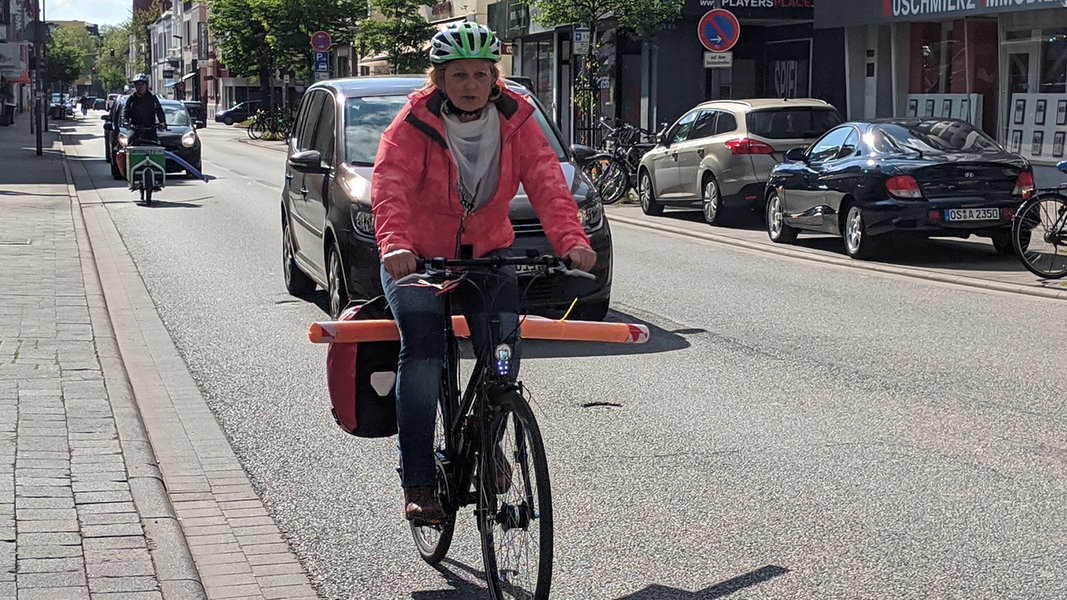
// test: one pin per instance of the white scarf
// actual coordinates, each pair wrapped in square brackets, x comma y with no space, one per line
[475,147]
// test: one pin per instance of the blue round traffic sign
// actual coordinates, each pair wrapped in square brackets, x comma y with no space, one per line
[718,30]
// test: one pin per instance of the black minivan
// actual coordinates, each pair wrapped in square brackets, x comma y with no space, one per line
[328,228]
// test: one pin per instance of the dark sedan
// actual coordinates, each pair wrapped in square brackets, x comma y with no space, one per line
[327,225]
[924,177]
[179,138]
[237,113]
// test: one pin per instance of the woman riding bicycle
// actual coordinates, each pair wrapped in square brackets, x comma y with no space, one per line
[446,171]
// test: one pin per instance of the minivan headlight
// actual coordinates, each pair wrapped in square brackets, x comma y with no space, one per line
[591,215]
[362,220]
[189,139]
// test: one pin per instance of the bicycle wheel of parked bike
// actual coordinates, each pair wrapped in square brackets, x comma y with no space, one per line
[609,177]
[256,129]
[515,503]
[1039,234]
[433,541]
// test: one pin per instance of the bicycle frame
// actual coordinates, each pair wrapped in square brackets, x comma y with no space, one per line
[465,414]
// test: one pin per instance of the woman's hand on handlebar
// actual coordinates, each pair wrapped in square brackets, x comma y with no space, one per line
[399,263]
[582,258]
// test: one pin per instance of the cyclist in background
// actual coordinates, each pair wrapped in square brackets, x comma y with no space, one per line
[144,112]
[446,171]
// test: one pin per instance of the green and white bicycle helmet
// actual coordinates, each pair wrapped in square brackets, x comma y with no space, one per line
[464,40]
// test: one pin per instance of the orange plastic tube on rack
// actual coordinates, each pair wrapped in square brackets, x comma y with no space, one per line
[533,328]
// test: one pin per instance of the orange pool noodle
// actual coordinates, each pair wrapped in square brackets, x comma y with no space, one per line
[533,328]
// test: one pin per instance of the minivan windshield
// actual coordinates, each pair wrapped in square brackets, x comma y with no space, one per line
[367,117]
[938,137]
[791,123]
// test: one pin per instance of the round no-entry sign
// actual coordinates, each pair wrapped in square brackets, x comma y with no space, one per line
[718,30]
[320,40]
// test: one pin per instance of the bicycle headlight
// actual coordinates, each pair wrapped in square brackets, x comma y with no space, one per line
[591,214]
[503,359]
[189,139]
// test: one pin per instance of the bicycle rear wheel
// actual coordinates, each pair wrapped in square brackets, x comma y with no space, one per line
[515,503]
[433,541]
[1039,234]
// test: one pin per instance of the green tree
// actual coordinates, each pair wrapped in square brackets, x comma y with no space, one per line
[114,54]
[244,38]
[642,18]
[296,20]
[66,59]
[400,32]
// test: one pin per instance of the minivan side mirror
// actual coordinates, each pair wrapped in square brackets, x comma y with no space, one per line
[307,161]
[797,155]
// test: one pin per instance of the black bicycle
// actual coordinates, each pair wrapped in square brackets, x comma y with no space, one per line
[1039,231]
[489,450]
[613,169]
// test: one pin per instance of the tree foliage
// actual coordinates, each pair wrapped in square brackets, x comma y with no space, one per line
[257,37]
[400,32]
[68,55]
[114,54]
[641,17]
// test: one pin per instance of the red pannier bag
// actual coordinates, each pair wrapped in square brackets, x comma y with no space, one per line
[362,377]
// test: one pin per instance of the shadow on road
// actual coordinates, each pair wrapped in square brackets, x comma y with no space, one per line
[719,590]
[462,588]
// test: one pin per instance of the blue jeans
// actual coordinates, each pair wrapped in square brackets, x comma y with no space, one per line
[420,317]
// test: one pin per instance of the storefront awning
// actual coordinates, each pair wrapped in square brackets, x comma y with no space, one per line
[188,76]
[170,84]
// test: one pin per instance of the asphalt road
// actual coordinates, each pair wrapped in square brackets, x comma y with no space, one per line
[796,428]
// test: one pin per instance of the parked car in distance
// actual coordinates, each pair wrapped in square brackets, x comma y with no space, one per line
[60,106]
[721,152]
[179,138]
[110,100]
[100,104]
[329,241]
[196,113]
[237,113]
[921,177]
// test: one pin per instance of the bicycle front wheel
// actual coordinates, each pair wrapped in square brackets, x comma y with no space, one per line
[1039,234]
[609,177]
[515,503]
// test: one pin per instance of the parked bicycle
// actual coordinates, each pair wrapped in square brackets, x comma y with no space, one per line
[1039,231]
[613,169]
[276,123]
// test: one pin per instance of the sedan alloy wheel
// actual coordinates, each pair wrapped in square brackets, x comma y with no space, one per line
[777,229]
[857,243]
[649,206]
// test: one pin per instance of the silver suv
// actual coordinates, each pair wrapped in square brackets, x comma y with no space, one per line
[721,152]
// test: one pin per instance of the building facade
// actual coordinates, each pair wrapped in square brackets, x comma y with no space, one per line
[652,83]
[1000,64]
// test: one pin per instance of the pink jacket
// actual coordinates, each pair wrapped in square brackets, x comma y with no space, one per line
[413,191]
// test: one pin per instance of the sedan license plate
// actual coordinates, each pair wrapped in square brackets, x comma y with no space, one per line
[972,214]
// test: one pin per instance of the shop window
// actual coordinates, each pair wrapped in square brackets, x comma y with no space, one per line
[1053,61]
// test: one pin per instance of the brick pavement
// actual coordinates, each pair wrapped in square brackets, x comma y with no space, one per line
[101,495]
